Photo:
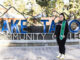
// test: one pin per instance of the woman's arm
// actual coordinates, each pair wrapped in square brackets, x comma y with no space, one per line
[55,31]
[66,29]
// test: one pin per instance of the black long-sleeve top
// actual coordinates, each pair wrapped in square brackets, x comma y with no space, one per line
[58,28]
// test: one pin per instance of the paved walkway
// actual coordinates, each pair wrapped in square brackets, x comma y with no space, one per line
[38,53]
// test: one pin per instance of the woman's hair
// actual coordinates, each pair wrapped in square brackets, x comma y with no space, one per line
[63,15]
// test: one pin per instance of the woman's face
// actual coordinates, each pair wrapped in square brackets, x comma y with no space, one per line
[61,17]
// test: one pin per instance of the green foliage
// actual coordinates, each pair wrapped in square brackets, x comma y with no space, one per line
[8,3]
[47,7]
[43,3]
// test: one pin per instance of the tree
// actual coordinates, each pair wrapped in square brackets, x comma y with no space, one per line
[47,6]
[43,3]
[8,3]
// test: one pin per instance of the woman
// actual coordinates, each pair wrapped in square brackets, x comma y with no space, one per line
[61,32]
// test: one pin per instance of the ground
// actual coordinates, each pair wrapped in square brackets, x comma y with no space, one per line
[38,53]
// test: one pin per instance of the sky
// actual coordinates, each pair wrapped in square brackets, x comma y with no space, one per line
[1,2]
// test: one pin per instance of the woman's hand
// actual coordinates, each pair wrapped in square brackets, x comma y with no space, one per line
[54,35]
[63,36]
